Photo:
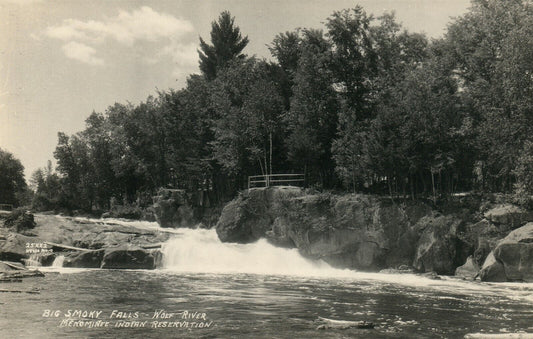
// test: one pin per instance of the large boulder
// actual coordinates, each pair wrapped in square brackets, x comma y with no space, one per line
[20,221]
[84,259]
[127,257]
[508,217]
[492,270]
[438,246]
[172,209]
[512,258]
[14,272]
[251,215]
[13,246]
[235,224]
[469,270]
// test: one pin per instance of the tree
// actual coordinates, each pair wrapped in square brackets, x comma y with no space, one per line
[248,108]
[354,59]
[227,43]
[98,138]
[75,168]
[353,66]
[46,186]
[491,48]
[312,118]
[287,50]
[523,189]
[12,182]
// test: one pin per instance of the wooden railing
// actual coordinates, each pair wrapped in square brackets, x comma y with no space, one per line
[276,180]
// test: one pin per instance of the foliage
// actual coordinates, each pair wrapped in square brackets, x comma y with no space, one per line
[12,182]
[312,117]
[20,220]
[523,189]
[227,44]
[365,104]
[248,109]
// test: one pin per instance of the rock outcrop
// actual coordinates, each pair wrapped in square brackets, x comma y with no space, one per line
[348,231]
[440,249]
[127,257]
[20,221]
[492,270]
[508,217]
[120,257]
[86,259]
[84,243]
[470,269]
[13,246]
[512,259]
[14,272]
[251,215]
[172,209]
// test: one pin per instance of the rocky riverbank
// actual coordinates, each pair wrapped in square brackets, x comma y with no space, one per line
[469,238]
[81,242]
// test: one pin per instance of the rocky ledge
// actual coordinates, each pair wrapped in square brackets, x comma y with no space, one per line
[512,259]
[374,233]
[82,243]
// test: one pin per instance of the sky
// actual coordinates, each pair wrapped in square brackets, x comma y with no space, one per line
[60,60]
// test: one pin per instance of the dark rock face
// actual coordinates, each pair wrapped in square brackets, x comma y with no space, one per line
[470,270]
[492,270]
[47,259]
[508,217]
[349,231]
[512,258]
[438,247]
[87,259]
[251,215]
[14,272]
[13,246]
[127,257]
[158,258]
[172,209]
[19,221]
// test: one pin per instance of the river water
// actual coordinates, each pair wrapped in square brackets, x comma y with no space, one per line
[212,290]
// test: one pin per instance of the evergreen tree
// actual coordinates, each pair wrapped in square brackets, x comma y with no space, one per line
[227,43]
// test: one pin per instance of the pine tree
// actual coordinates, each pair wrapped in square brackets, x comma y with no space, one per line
[227,44]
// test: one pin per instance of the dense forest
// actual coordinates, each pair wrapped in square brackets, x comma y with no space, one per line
[362,105]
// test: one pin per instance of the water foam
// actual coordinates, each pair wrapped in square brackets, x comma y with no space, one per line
[201,251]
[58,261]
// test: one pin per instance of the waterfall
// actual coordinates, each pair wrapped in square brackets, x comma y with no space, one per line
[33,260]
[58,261]
[201,251]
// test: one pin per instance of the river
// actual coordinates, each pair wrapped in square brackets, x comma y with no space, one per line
[208,289]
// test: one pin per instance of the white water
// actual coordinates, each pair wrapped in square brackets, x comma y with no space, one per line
[58,261]
[200,251]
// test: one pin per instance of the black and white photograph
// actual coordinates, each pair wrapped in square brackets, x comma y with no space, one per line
[266,169]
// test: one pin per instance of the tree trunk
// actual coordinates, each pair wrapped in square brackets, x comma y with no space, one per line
[433,187]
[270,137]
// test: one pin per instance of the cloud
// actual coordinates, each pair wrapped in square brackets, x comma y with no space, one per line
[82,38]
[183,55]
[81,52]
[143,24]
